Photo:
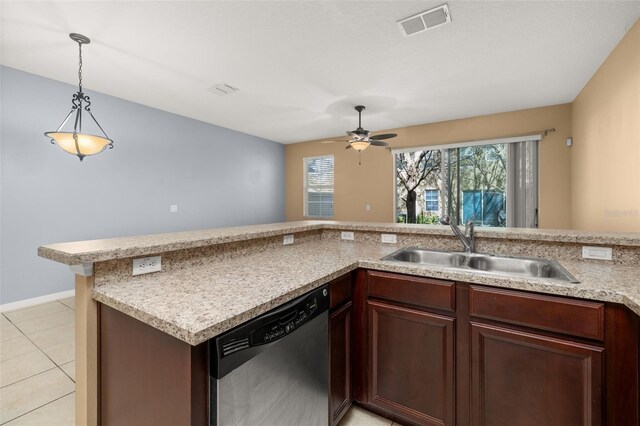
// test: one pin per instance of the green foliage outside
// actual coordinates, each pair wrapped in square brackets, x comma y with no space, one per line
[427,219]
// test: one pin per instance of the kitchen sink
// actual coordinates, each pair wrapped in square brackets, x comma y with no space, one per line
[430,257]
[485,263]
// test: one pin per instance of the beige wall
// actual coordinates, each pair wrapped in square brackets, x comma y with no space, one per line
[605,161]
[372,182]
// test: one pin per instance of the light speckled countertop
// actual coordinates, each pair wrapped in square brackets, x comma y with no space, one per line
[73,253]
[201,302]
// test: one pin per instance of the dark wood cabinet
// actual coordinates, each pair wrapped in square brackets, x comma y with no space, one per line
[148,377]
[543,363]
[525,379]
[340,355]
[411,363]
[340,325]
[435,352]
[407,369]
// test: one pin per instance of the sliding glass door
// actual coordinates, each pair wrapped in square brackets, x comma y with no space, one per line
[495,184]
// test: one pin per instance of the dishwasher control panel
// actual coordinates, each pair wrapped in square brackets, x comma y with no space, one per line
[271,326]
[284,325]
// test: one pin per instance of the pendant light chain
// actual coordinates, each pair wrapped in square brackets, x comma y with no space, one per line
[80,68]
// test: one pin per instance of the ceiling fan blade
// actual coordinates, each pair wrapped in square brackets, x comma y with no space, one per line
[377,143]
[383,136]
[348,146]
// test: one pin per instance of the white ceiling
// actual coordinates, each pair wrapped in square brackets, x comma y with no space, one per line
[301,66]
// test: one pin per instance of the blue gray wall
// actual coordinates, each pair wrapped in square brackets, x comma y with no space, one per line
[217,177]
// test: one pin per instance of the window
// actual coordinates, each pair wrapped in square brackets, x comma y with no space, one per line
[494,182]
[431,197]
[318,186]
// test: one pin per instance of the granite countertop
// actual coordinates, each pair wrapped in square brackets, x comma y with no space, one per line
[74,253]
[201,302]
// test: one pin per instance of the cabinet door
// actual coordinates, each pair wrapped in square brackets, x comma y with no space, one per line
[340,370]
[524,379]
[411,371]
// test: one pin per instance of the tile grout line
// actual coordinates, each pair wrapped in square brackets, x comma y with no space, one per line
[30,411]
[73,309]
[40,349]
[33,375]
[65,373]
[4,314]
[48,357]
[43,352]
[25,334]
[43,371]
[45,329]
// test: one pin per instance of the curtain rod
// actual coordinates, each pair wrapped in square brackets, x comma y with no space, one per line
[542,133]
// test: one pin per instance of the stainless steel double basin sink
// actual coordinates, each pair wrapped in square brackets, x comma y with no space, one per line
[485,263]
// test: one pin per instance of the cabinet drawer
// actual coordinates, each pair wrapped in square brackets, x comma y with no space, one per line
[425,292]
[339,291]
[567,316]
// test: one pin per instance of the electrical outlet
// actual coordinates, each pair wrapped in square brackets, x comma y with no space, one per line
[288,239]
[388,238]
[173,208]
[346,236]
[600,253]
[147,265]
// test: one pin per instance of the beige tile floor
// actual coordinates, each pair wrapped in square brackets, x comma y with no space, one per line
[37,365]
[37,369]
[356,416]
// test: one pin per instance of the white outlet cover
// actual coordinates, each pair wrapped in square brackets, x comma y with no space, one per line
[600,253]
[147,265]
[388,238]
[288,239]
[173,208]
[346,236]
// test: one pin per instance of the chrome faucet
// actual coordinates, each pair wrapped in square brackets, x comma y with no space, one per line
[467,238]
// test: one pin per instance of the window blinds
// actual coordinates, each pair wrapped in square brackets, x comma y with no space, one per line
[318,189]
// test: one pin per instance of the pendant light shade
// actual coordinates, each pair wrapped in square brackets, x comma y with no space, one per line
[80,144]
[75,142]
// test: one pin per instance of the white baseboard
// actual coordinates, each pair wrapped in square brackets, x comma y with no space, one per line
[36,301]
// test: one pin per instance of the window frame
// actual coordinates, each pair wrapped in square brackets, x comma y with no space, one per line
[426,201]
[470,143]
[305,186]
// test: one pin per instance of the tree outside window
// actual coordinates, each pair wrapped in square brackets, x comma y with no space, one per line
[461,182]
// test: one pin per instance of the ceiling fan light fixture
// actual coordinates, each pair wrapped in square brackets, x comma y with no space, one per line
[361,138]
[75,142]
[359,145]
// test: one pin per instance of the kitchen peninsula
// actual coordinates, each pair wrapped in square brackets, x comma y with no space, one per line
[214,280]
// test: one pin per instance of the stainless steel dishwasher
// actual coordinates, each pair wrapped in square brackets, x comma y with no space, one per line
[273,370]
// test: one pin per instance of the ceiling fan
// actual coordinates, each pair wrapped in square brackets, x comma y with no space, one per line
[361,138]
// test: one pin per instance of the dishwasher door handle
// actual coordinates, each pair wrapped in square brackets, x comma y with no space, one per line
[289,317]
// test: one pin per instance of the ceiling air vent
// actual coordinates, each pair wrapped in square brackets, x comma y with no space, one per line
[223,89]
[423,21]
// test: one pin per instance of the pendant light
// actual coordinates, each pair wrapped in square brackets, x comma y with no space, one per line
[76,142]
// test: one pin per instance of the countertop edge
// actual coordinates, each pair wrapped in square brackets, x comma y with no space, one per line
[196,337]
[72,253]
